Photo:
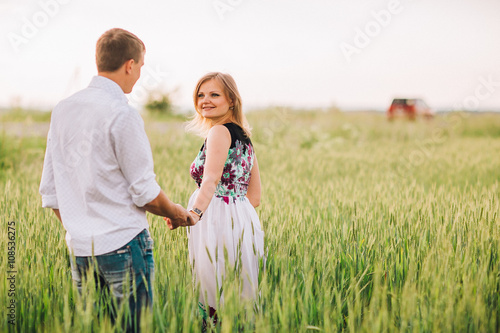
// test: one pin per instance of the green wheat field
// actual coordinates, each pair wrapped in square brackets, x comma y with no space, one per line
[370,226]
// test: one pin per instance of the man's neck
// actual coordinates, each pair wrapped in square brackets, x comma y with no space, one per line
[115,77]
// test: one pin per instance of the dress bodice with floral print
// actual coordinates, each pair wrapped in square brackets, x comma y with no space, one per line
[236,174]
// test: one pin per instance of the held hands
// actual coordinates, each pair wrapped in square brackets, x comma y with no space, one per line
[183,218]
[194,217]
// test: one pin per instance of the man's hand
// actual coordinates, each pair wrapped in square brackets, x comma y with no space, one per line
[182,219]
[56,211]
[175,215]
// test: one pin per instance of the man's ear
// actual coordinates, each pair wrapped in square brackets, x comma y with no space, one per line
[128,65]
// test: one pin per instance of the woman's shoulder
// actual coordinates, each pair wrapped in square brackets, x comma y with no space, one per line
[218,134]
[218,131]
[237,133]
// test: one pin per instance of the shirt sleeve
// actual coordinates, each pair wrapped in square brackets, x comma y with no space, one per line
[133,152]
[47,184]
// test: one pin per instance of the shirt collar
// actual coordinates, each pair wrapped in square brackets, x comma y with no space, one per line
[108,85]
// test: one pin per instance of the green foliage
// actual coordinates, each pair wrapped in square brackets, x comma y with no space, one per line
[7,153]
[16,151]
[22,115]
[159,103]
[370,226]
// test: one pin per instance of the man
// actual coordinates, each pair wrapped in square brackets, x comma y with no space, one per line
[98,177]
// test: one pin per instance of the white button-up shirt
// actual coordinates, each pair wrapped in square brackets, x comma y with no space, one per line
[98,169]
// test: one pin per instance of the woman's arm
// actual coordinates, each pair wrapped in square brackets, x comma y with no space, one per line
[253,193]
[218,143]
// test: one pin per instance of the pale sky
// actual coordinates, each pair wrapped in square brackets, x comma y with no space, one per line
[317,53]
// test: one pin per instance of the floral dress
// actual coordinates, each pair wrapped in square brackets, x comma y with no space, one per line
[230,227]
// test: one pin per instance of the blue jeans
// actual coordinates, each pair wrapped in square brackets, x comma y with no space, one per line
[130,266]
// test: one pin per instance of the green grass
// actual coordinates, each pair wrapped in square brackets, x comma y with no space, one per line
[23,115]
[370,226]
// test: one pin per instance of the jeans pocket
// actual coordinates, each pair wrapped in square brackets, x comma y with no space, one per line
[146,243]
[115,266]
[150,243]
[77,265]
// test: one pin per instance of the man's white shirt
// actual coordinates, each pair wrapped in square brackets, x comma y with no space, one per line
[98,169]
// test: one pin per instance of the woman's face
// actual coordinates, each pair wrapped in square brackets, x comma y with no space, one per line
[212,101]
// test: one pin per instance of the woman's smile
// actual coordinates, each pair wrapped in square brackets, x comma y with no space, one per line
[212,101]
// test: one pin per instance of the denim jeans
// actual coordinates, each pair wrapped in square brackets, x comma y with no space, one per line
[130,266]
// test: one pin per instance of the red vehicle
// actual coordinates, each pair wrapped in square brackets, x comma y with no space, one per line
[410,108]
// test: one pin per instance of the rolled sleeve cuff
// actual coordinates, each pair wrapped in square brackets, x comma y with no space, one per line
[145,193]
[49,201]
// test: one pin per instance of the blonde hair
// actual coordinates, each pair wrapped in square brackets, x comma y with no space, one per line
[199,124]
[115,47]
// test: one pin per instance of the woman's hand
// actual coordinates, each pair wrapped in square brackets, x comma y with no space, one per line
[169,223]
[194,217]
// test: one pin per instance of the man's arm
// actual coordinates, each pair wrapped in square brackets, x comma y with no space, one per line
[135,158]
[163,206]
[56,211]
[47,183]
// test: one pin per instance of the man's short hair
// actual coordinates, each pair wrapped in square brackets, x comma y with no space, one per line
[115,47]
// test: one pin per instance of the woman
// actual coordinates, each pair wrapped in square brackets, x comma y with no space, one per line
[227,174]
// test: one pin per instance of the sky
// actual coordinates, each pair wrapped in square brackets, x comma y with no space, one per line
[305,54]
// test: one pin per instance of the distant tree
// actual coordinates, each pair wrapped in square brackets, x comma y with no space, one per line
[159,103]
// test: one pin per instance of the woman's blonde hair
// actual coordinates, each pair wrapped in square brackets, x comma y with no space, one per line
[199,124]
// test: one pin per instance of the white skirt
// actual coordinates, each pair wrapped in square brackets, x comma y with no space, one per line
[235,227]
